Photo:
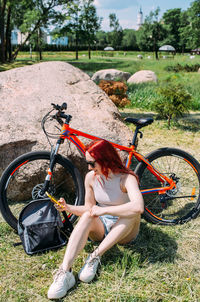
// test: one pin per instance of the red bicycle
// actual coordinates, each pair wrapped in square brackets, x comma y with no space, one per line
[169,177]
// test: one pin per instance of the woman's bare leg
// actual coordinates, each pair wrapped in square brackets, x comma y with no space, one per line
[86,226]
[125,230]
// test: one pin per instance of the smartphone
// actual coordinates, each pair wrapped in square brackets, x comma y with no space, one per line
[54,199]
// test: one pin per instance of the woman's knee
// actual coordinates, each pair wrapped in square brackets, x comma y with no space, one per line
[86,217]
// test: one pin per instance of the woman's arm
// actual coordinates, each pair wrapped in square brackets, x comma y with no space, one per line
[89,199]
[129,209]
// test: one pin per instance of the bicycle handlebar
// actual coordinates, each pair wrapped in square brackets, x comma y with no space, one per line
[58,107]
[60,114]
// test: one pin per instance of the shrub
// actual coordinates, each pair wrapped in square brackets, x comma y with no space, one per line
[174,102]
[116,91]
[178,67]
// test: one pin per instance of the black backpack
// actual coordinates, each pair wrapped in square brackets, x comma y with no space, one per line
[40,227]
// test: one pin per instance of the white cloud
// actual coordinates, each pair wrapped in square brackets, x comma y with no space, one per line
[115,4]
[127,17]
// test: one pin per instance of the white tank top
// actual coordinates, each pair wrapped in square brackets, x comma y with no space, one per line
[108,192]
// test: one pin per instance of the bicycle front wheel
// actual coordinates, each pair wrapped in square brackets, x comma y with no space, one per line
[180,204]
[23,180]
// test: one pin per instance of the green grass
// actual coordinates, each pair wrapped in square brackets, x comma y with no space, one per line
[163,265]
[141,96]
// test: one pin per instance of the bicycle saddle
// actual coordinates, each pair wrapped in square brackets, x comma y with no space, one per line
[141,122]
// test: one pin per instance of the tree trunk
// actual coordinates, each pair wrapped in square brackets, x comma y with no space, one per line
[76,47]
[169,121]
[2,30]
[8,35]
[89,52]
[156,51]
[39,43]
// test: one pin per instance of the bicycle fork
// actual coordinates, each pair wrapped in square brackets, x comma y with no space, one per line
[48,178]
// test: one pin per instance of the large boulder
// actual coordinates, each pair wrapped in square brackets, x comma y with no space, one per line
[110,74]
[26,95]
[143,76]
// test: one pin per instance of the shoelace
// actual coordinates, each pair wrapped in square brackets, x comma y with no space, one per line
[57,274]
[93,260]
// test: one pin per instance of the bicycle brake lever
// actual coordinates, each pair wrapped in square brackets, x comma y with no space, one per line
[63,106]
[141,134]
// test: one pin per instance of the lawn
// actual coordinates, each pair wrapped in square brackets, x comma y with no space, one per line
[141,96]
[163,265]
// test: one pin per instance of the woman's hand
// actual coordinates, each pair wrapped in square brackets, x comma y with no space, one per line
[97,211]
[63,205]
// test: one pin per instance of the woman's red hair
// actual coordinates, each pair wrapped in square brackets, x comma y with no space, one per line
[108,158]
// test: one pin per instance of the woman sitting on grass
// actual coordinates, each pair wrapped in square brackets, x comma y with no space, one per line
[111,214]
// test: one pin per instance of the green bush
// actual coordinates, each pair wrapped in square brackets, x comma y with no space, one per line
[174,101]
[178,67]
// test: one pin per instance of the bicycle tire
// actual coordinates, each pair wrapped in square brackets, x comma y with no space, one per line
[177,207]
[23,179]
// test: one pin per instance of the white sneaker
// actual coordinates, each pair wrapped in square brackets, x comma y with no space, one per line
[89,269]
[63,281]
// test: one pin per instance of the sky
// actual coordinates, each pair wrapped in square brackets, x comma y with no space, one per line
[127,10]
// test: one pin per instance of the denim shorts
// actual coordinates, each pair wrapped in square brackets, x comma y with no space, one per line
[108,222]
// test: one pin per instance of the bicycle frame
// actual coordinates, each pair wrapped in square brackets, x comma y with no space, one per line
[72,135]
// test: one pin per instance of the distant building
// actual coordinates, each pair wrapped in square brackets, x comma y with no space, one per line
[139,18]
[18,38]
[62,41]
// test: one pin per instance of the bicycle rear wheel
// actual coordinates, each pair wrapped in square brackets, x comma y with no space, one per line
[23,180]
[178,205]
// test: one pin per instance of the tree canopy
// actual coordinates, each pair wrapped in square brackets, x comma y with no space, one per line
[78,20]
[151,33]
[28,16]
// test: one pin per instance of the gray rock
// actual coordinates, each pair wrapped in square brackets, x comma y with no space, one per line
[143,76]
[26,95]
[110,74]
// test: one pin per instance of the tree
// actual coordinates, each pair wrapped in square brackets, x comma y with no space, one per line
[2,28]
[151,33]
[116,35]
[183,30]
[72,23]
[89,23]
[172,23]
[101,39]
[29,16]
[81,24]
[192,30]
[129,41]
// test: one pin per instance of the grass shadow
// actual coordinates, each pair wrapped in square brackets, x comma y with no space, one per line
[16,64]
[153,245]
[96,66]
[137,114]
[189,123]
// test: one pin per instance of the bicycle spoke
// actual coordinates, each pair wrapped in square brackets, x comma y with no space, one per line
[178,202]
